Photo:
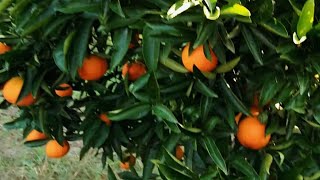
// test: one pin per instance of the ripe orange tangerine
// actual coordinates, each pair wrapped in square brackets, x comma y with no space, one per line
[11,92]
[35,135]
[105,119]
[179,152]
[251,133]
[134,70]
[4,48]
[93,68]
[65,92]
[131,161]
[197,58]
[55,150]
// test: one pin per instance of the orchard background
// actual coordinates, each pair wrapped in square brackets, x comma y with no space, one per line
[194,89]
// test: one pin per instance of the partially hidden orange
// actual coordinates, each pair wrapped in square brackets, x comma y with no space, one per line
[93,68]
[35,135]
[4,48]
[11,91]
[179,152]
[197,58]
[251,133]
[65,92]
[133,70]
[105,119]
[130,161]
[55,150]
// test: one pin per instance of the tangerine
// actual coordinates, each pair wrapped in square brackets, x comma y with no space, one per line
[105,119]
[4,48]
[251,133]
[55,150]
[198,59]
[93,68]
[131,161]
[179,152]
[11,91]
[134,70]
[35,135]
[65,92]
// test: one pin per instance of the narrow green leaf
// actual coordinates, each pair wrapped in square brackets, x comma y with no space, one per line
[111,174]
[228,66]
[150,49]
[269,90]
[204,89]
[164,112]
[226,40]
[252,45]
[36,143]
[139,83]
[78,48]
[179,7]
[231,97]
[306,18]
[4,4]
[215,154]
[242,165]
[171,173]
[173,65]
[115,6]
[304,82]
[207,31]
[274,26]
[121,40]
[148,166]
[176,164]
[235,9]
[265,167]
[77,7]
[134,112]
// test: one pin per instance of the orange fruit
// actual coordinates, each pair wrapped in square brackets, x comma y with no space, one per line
[251,133]
[11,91]
[4,48]
[255,111]
[134,70]
[131,161]
[238,117]
[198,59]
[105,119]
[179,152]
[93,68]
[67,91]
[55,150]
[35,135]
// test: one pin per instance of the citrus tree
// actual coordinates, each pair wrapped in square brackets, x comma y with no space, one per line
[194,89]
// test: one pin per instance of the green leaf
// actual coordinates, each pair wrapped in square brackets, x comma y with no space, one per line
[171,173]
[78,47]
[207,30]
[77,7]
[164,112]
[134,112]
[204,89]
[235,9]
[59,57]
[179,7]
[150,49]
[139,83]
[176,164]
[115,6]
[306,18]
[252,45]
[243,166]
[173,65]
[228,66]
[4,4]
[269,90]
[304,82]
[121,40]
[36,143]
[274,26]
[111,174]
[148,166]
[18,123]
[226,40]
[215,154]
[211,4]
[231,97]
[265,167]
[295,7]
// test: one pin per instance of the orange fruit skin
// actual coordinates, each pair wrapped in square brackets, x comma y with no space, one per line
[251,133]
[134,70]
[198,59]
[93,68]
[35,135]
[255,111]
[130,162]
[179,152]
[105,119]
[11,91]
[65,92]
[55,150]
[4,48]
